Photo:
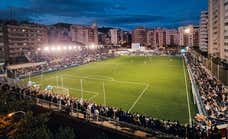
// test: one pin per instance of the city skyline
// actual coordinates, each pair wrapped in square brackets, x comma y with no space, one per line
[121,14]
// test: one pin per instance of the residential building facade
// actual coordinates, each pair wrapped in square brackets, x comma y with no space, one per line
[218,29]
[114,36]
[86,35]
[139,36]
[188,36]
[203,35]
[2,45]
[59,34]
[21,39]
[171,37]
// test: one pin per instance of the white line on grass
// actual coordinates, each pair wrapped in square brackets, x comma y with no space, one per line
[107,77]
[186,88]
[91,98]
[90,92]
[99,79]
[138,98]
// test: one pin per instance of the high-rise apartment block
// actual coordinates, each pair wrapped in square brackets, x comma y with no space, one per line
[2,45]
[203,32]
[59,33]
[218,29]
[22,38]
[188,36]
[86,35]
[155,38]
[139,36]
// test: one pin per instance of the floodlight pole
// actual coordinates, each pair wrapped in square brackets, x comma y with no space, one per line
[41,77]
[81,88]
[14,80]
[104,94]
[57,82]
[29,76]
[62,80]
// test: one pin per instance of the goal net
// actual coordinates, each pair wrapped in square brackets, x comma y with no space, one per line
[61,90]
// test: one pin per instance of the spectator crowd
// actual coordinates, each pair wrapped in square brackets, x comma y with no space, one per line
[98,112]
[57,61]
[211,90]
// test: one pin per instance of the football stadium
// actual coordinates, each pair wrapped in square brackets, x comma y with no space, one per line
[112,69]
[156,86]
[135,92]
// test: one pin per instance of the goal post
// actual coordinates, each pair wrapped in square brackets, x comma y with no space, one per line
[61,90]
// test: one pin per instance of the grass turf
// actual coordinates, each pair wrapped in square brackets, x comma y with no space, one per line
[153,86]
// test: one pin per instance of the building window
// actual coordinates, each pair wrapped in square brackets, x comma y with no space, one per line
[226,43]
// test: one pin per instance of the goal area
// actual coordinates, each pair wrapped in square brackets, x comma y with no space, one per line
[61,90]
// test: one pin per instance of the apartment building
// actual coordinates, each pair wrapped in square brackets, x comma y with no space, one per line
[218,29]
[203,31]
[188,36]
[22,38]
[86,35]
[2,46]
[139,36]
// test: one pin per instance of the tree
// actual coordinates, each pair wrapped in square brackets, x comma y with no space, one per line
[33,127]
[37,133]
[65,133]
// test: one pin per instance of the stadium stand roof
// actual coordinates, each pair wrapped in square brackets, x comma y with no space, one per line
[26,65]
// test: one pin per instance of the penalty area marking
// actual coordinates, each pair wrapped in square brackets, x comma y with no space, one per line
[91,98]
[94,94]
[138,98]
[99,79]
[107,77]
[186,88]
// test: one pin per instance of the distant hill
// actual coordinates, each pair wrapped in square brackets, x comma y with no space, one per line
[104,29]
[66,25]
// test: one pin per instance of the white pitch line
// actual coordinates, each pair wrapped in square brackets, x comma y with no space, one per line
[99,79]
[186,88]
[90,92]
[133,105]
[107,77]
[93,97]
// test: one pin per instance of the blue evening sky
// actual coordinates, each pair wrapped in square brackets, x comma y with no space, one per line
[125,14]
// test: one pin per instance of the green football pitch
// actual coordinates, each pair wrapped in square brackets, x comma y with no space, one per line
[156,86]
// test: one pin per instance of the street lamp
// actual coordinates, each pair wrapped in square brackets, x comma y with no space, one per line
[14,113]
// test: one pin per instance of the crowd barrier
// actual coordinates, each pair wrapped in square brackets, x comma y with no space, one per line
[195,92]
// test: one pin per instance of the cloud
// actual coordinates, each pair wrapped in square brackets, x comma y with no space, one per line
[131,19]
[126,14]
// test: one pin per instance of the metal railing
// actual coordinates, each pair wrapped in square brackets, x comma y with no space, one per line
[195,92]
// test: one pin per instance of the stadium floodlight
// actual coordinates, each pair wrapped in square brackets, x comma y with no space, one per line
[74,47]
[53,48]
[38,49]
[187,30]
[92,46]
[46,48]
[58,48]
[64,48]
[70,47]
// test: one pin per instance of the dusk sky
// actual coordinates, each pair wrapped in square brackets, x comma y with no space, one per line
[125,14]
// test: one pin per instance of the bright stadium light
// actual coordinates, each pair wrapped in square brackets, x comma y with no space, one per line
[38,49]
[64,48]
[58,48]
[70,47]
[187,30]
[46,48]
[92,46]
